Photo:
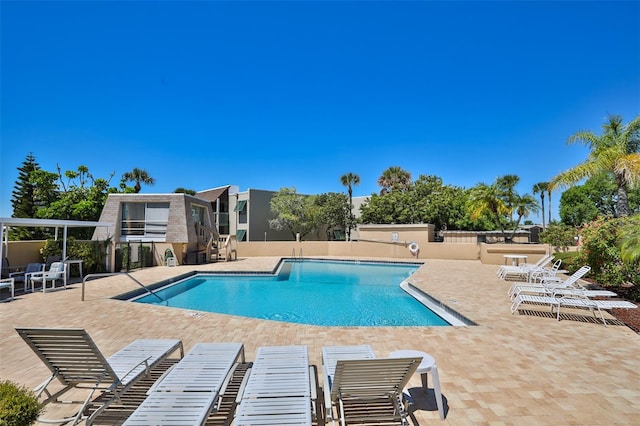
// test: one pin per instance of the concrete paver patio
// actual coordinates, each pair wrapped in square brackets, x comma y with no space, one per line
[509,369]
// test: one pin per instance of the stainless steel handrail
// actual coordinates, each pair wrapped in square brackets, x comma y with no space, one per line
[108,274]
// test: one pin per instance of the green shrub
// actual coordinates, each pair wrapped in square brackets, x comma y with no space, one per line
[600,249]
[560,236]
[18,405]
[570,260]
[92,253]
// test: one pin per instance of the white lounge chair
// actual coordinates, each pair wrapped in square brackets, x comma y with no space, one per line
[77,363]
[8,283]
[189,391]
[279,390]
[56,272]
[550,283]
[540,274]
[368,389]
[508,272]
[572,302]
[563,292]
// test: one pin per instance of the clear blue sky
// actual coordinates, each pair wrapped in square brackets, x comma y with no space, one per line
[272,94]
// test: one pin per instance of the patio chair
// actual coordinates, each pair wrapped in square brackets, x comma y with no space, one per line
[572,302]
[280,389]
[362,388]
[77,363]
[25,276]
[189,391]
[551,282]
[56,272]
[8,283]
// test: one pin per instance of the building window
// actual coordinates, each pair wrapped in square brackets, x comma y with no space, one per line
[144,221]
[241,208]
[198,213]
[241,235]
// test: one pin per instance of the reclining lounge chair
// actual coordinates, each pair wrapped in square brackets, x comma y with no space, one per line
[549,283]
[75,360]
[189,391]
[279,390]
[572,302]
[363,389]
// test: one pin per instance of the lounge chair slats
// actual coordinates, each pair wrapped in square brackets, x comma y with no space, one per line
[571,302]
[279,388]
[362,388]
[173,408]
[189,391]
[75,360]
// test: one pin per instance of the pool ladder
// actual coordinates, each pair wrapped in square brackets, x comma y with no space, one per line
[293,255]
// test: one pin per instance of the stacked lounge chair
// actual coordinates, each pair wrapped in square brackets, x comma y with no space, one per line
[522,271]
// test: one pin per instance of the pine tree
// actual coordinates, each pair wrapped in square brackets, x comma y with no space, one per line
[22,199]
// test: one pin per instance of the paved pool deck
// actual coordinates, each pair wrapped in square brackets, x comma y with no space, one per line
[524,369]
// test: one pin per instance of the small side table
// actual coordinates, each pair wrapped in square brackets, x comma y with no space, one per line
[428,365]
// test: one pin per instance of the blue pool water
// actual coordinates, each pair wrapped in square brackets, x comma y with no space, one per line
[324,293]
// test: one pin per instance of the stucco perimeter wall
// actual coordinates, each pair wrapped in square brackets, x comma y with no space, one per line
[493,254]
[357,249]
[21,253]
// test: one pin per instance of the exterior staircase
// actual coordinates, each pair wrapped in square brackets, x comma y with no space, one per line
[216,246]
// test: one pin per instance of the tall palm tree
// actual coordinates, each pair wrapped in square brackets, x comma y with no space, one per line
[507,185]
[549,190]
[394,177]
[542,187]
[615,151]
[524,205]
[138,176]
[349,180]
[487,199]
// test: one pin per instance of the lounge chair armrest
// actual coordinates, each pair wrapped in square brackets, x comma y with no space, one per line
[326,387]
[243,385]
[37,274]
[227,379]
[146,368]
[313,384]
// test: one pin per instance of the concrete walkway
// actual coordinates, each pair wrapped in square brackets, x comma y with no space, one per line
[509,369]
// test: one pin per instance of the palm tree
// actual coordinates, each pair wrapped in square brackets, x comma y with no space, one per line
[542,187]
[549,189]
[616,151]
[524,206]
[487,199]
[349,180]
[394,178]
[507,184]
[138,176]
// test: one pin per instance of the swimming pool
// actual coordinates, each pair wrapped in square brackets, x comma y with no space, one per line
[316,292]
